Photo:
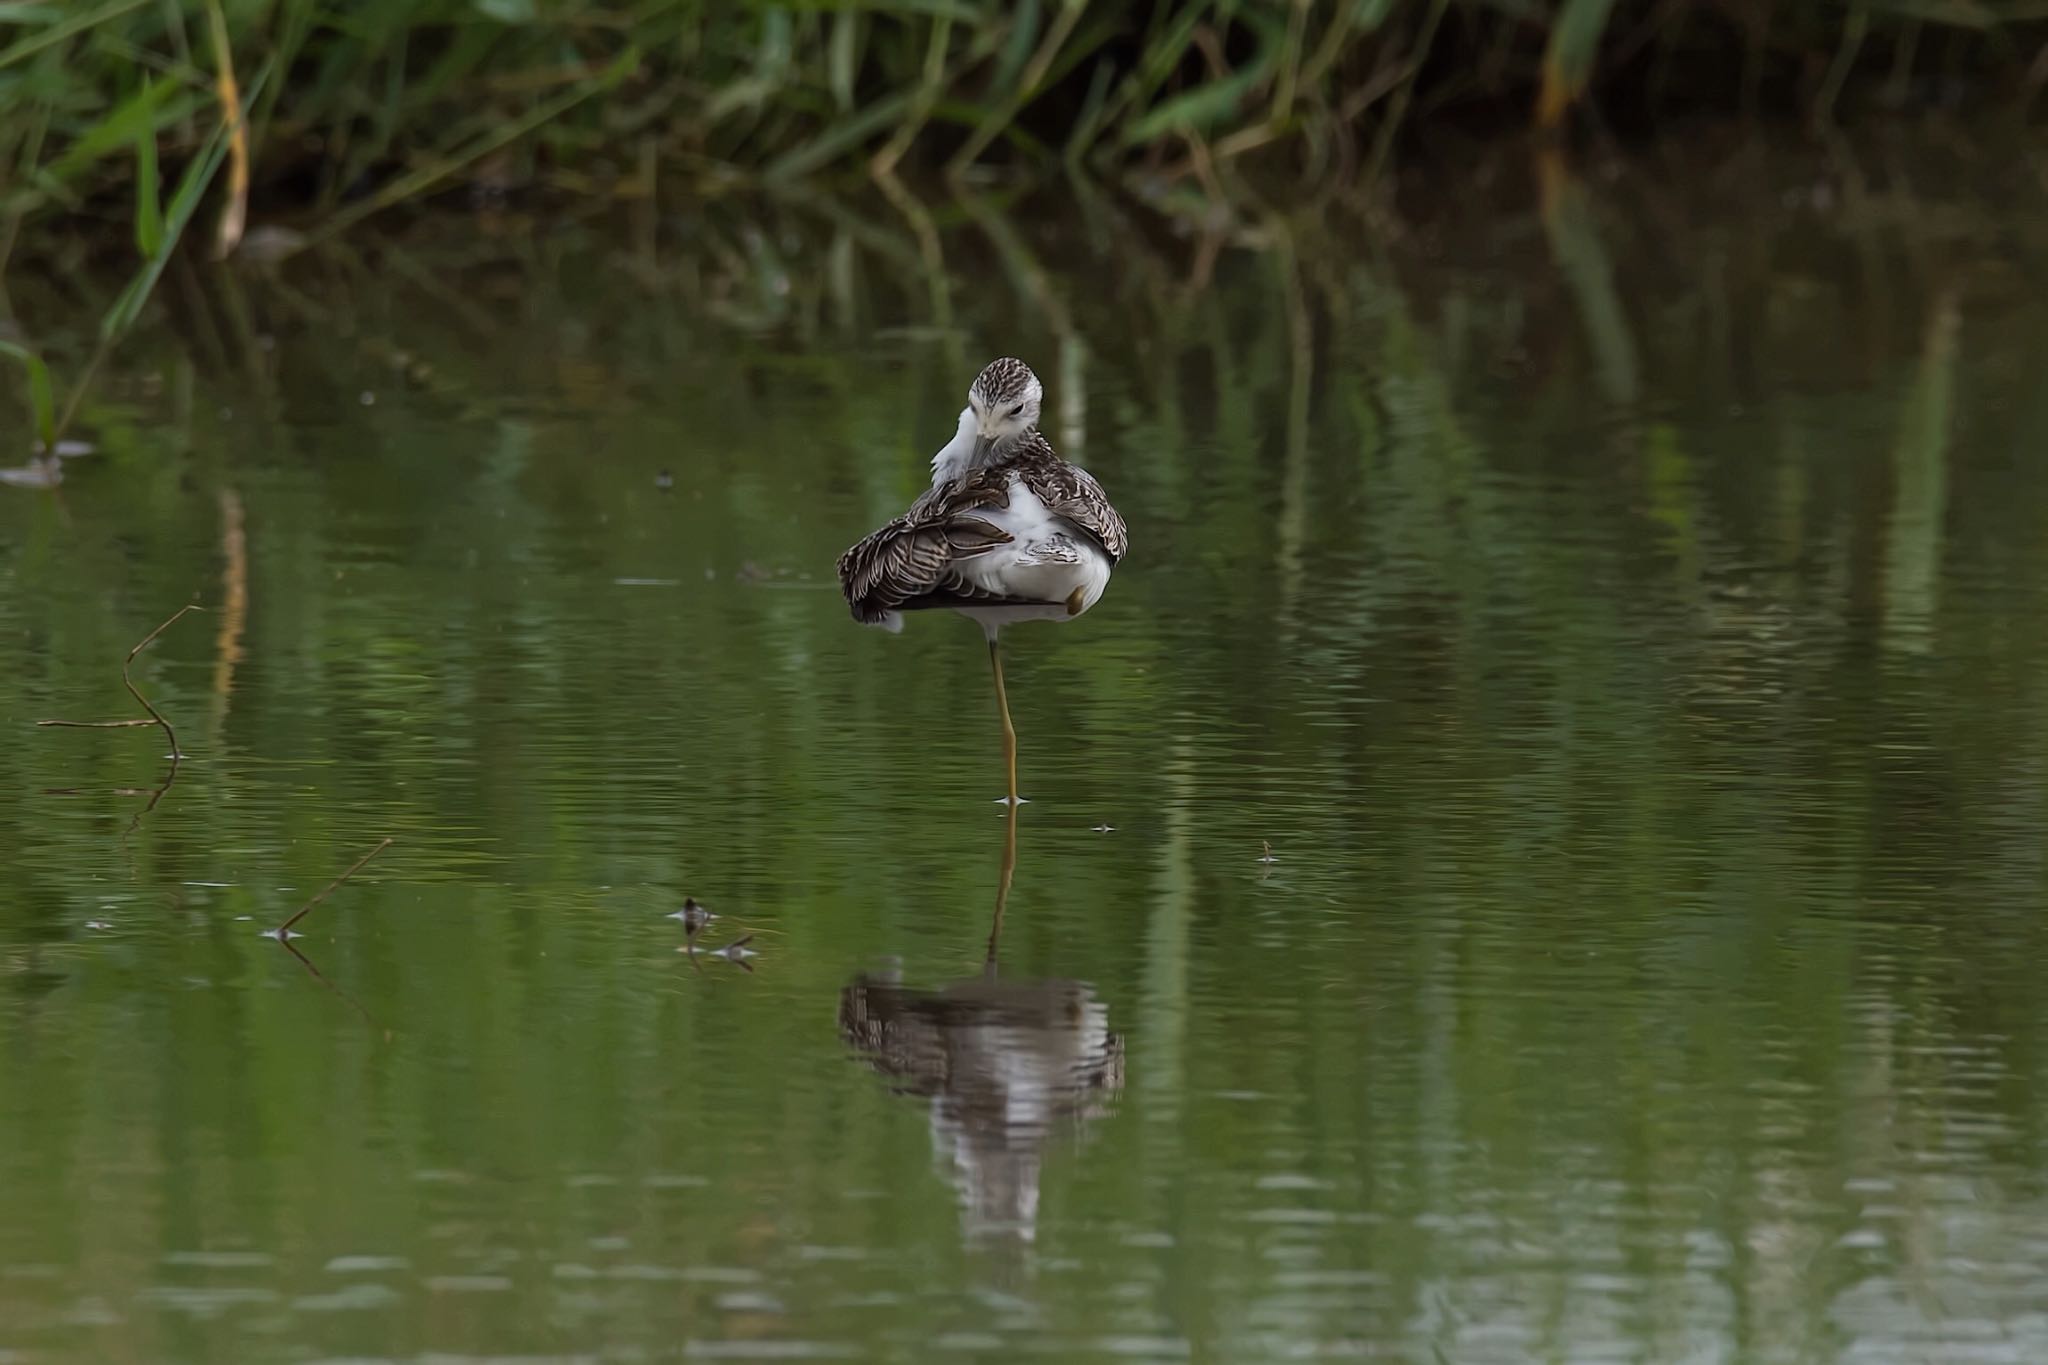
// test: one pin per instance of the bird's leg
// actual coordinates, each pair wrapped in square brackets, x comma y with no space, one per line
[995,659]
[1009,868]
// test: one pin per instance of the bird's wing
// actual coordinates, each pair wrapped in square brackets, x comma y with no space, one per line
[914,560]
[1069,491]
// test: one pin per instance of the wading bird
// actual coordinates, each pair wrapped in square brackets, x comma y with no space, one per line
[1007,532]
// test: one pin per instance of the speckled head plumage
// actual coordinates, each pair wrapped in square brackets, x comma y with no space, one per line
[1004,401]
[1003,381]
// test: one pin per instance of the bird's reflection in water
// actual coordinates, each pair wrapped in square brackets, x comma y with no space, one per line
[1004,1063]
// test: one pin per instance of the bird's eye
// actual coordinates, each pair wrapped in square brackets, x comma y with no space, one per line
[1017,410]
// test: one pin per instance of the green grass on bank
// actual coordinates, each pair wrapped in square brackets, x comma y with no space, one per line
[378,100]
[124,118]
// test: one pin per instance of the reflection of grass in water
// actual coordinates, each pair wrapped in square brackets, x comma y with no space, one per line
[1575,241]
[1372,469]
[1920,484]
[1511,834]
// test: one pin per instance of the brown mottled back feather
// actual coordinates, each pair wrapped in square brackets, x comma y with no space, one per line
[912,557]
[912,562]
[1069,491]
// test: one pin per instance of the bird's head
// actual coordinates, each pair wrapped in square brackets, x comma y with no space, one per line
[1004,401]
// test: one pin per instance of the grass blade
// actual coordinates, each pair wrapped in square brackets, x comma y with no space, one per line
[1568,60]
[57,33]
[40,397]
[184,203]
[1200,108]
[149,212]
[1091,111]
[142,112]
[1017,47]
[843,54]
[842,135]
[234,118]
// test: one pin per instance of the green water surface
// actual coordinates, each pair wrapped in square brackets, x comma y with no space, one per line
[1618,602]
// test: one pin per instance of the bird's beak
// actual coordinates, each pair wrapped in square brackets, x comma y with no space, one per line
[984,447]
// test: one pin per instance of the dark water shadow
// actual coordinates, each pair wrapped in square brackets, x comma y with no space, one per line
[1005,1064]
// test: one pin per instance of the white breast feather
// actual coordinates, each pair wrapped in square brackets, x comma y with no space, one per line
[1028,520]
[951,461]
[1046,559]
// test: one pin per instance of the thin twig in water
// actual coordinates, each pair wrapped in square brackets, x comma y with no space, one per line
[156,717]
[285,928]
[321,977]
